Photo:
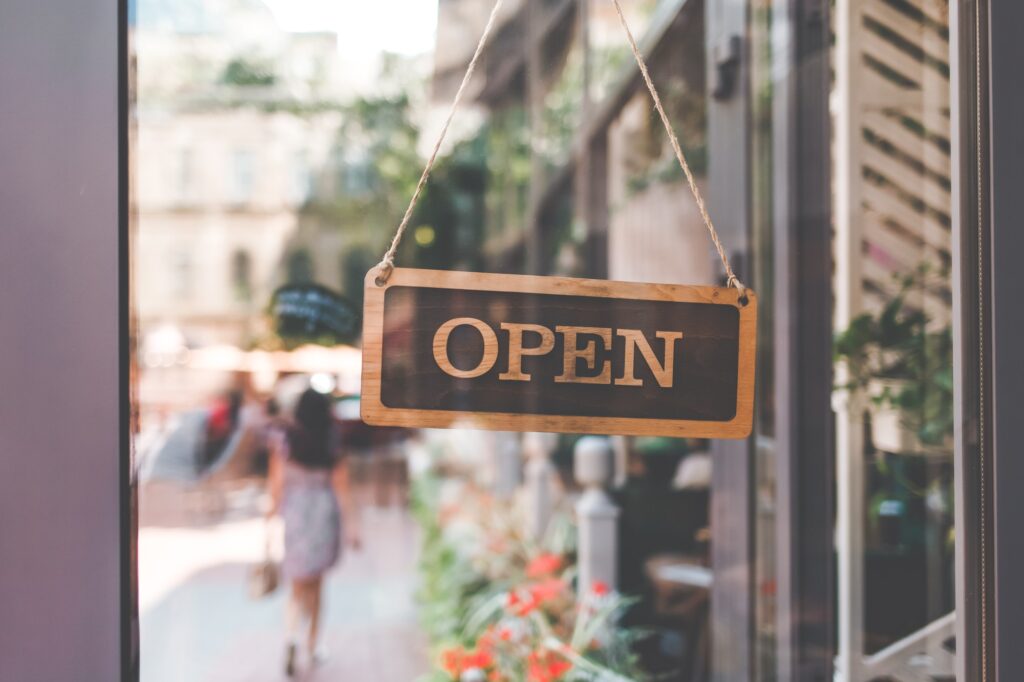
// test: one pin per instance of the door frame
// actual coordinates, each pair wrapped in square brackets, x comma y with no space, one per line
[802,338]
[988,109]
[66,511]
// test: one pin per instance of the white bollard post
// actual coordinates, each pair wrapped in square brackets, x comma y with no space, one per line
[506,464]
[596,514]
[620,446]
[540,482]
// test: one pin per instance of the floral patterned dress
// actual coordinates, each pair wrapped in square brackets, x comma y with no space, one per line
[312,520]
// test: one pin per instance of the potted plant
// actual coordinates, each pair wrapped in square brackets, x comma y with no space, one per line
[902,361]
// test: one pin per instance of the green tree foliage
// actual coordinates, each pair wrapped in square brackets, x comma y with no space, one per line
[378,167]
[248,72]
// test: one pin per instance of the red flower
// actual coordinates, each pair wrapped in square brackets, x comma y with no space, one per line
[528,606]
[545,666]
[546,590]
[477,659]
[452,661]
[457,660]
[504,634]
[486,640]
[600,588]
[544,565]
[518,606]
[537,594]
[557,668]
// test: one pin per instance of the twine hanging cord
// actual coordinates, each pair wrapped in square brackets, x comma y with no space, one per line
[731,277]
[387,263]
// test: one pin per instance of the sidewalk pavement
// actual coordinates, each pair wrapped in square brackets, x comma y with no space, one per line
[199,625]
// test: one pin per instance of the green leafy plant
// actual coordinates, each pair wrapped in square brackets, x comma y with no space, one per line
[903,360]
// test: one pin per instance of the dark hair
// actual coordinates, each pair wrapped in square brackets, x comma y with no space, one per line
[235,400]
[310,438]
[272,408]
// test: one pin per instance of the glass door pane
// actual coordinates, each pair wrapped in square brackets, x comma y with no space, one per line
[890,164]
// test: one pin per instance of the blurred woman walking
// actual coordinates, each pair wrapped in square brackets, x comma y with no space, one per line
[308,483]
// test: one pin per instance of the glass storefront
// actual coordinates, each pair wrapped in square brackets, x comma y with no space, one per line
[194,190]
[821,133]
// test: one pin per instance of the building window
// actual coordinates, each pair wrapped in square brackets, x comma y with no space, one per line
[300,267]
[301,180]
[181,275]
[241,275]
[243,176]
[355,173]
[184,175]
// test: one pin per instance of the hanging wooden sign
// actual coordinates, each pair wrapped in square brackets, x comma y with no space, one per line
[523,353]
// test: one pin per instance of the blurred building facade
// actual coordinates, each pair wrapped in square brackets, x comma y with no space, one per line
[250,170]
[229,141]
[263,157]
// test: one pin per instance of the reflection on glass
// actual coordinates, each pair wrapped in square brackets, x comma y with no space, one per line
[893,398]
[894,340]
[242,114]
[278,144]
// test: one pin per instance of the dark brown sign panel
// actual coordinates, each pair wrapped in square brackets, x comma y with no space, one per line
[512,352]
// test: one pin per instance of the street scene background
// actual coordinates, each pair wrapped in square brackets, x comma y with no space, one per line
[275,147]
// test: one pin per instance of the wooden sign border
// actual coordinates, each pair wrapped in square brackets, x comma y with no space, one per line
[374,412]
